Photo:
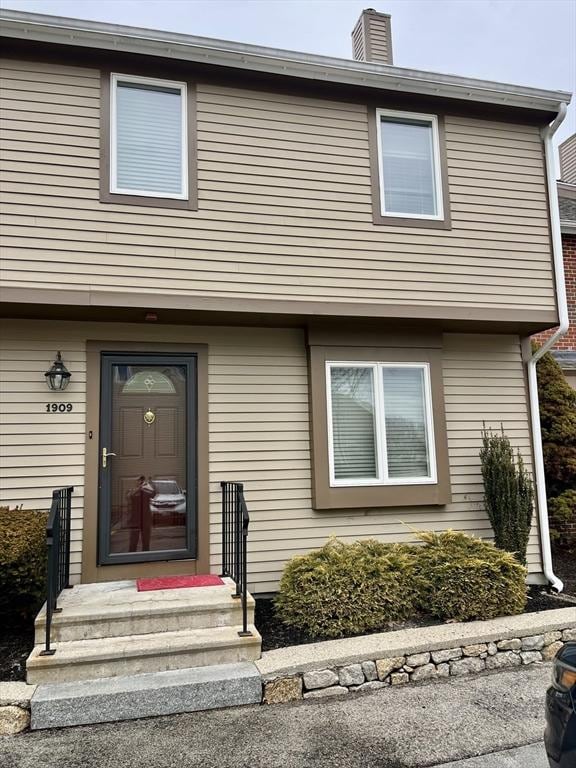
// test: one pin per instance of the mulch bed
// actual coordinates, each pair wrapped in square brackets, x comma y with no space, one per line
[16,642]
[565,568]
[275,634]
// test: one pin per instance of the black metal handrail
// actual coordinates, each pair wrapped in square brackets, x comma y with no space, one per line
[235,522]
[58,565]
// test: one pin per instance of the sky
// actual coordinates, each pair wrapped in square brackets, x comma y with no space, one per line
[526,42]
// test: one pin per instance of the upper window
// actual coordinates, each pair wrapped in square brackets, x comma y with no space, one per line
[380,428]
[409,165]
[148,137]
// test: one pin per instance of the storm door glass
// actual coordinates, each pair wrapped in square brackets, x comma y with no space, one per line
[147,460]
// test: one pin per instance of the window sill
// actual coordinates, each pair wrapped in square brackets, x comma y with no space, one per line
[408,221]
[119,198]
[365,496]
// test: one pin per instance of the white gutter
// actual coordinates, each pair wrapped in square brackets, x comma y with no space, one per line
[542,504]
[255,58]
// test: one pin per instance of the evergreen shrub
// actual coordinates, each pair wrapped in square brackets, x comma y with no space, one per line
[348,589]
[508,493]
[558,423]
[464,578]
[344,589]
[22,562]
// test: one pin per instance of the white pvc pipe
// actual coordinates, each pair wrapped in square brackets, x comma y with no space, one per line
[558,259]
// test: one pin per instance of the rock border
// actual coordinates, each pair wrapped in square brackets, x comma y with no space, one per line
[15,707]
[431,653]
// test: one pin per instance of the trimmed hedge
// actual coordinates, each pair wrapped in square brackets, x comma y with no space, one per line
[464,578]
[345,589]
[22,562]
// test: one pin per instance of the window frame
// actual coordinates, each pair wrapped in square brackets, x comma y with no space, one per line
[146,73]
[413,117]
[383,478]
[395,345]
[115,78]
[406,221]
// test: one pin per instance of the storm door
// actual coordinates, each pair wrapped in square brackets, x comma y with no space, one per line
[147,477]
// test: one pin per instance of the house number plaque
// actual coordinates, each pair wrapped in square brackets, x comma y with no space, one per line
[58,407]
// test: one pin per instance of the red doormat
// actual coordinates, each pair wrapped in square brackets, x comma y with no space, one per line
[177,582]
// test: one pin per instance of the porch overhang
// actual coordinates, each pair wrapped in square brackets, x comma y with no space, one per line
[190,309]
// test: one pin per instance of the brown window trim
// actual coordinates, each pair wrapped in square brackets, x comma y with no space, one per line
[352,497]
[191,204]
[402,221]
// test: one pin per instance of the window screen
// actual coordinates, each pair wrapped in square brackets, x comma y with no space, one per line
[353,423]
[405,422]
[408,167]
[149,139]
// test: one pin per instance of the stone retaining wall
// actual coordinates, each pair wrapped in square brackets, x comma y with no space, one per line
[377,673]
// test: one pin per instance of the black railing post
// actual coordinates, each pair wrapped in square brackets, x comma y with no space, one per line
[235,522]
[48,651]
[58,556]
[244,522]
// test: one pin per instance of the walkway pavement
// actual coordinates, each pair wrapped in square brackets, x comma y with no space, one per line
[414,727]
[532,756]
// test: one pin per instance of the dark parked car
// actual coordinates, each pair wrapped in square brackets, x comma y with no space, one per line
[560,734]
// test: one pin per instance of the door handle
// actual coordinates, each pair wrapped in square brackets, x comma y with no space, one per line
[105,455]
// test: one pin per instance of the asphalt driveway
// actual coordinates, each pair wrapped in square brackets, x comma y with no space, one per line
[421,725]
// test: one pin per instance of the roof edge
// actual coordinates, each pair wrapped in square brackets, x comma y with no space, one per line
[92,34]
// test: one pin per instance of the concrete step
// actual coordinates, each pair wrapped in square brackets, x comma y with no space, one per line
[138,654]
[117,609]
[147,695]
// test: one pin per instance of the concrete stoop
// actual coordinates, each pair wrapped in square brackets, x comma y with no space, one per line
[111,630]
[146,695]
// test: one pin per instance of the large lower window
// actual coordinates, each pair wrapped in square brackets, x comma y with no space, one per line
[380,426]
[409,165]
[148,137]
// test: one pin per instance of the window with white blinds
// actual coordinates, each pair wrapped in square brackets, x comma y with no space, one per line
[148,137]
[380,426]
[409,163]
[353,423]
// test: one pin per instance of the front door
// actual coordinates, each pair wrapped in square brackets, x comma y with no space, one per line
[147,476]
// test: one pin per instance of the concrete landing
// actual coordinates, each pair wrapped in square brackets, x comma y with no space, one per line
[147,695]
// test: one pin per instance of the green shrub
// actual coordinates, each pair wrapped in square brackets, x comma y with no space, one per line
[345,589]
[22,562]
[508,494]
[464,578]
[562,510]
[558,422]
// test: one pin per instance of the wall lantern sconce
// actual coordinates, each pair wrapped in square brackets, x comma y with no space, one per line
[58,376]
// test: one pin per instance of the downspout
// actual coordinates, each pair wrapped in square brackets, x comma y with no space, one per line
[542,504]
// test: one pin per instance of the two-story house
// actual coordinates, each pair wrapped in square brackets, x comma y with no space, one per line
[316,276]
[565,348]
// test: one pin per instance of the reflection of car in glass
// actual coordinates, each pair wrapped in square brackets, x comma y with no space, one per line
[168,506]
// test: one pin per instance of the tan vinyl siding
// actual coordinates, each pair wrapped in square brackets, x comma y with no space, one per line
[258,432]
[285,208]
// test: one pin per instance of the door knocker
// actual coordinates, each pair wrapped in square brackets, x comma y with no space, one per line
[149,417]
